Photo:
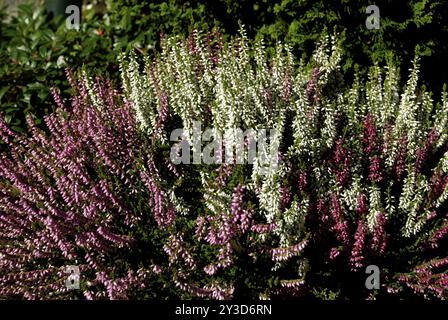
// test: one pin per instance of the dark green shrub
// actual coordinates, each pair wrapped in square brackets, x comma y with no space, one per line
[406,28]
[32,53]
[140,23]
[33,56]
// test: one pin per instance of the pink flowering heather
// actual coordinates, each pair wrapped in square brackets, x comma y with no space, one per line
[79,192]
[311,87]
[400,159]
[357,259]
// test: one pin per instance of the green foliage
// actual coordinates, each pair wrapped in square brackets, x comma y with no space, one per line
[140,23]
[33,56]
[406,27]
[34,52]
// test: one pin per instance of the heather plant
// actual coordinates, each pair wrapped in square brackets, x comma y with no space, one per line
[86,192]
[362,177]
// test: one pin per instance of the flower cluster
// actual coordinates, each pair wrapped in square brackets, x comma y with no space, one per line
[78,192]
[360,178]
[362,169]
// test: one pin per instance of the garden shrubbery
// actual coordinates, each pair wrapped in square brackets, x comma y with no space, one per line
[33,55]
[354,174]
[406,28]
[34,52]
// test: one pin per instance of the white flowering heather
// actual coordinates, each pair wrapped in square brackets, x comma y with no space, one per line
[361,170]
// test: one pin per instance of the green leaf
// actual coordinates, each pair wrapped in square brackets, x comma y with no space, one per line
[42,52]
[8,118]
[3,90]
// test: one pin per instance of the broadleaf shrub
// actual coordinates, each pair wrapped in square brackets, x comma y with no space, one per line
[34,53]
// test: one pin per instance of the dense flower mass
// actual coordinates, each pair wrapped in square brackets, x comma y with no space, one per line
[80,193]
[361,178]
